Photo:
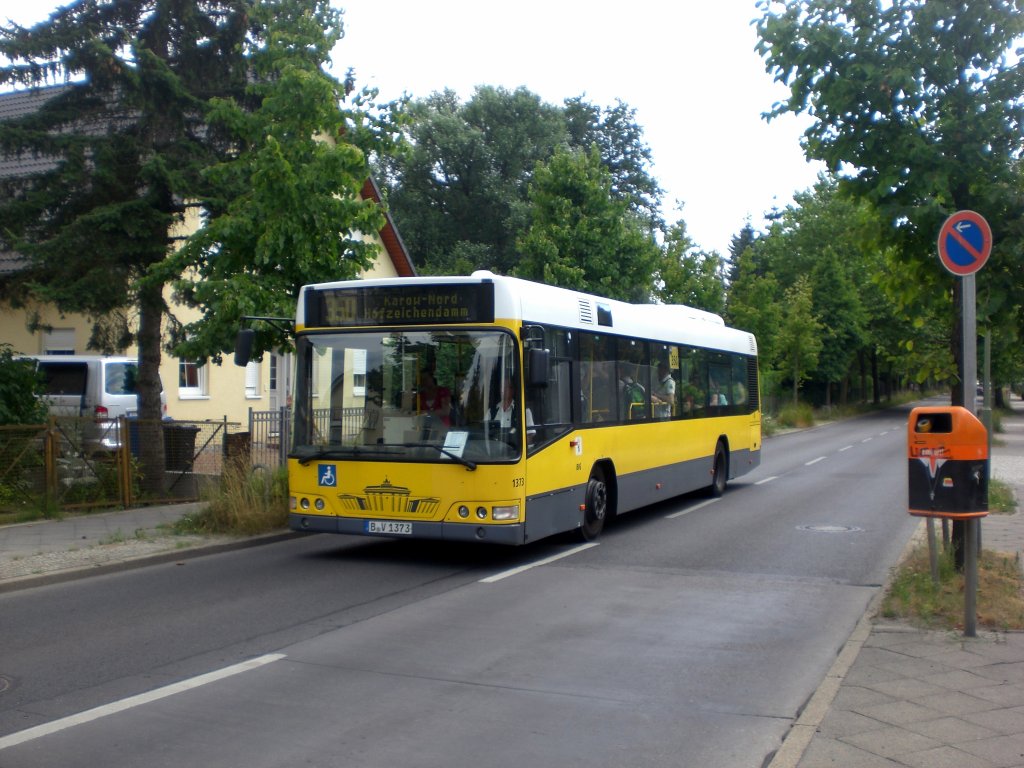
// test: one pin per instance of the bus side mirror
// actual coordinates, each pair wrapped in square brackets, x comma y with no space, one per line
[243,346]
[537,367]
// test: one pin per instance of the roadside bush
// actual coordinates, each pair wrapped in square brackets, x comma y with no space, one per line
[20,390]
[799,416]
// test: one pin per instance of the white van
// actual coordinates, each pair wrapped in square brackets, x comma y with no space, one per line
[102,388]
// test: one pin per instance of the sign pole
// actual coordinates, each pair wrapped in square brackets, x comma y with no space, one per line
[969,377]
[970,331]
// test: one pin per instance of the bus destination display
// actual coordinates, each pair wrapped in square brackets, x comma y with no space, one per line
[400,305]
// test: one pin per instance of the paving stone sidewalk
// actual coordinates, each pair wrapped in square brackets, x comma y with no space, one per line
[54,550]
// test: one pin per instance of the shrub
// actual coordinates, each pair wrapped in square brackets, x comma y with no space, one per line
[800,415]
[20,390]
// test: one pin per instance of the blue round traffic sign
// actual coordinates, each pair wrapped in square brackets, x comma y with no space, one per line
[965,242]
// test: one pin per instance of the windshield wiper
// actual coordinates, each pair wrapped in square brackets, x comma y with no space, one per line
[324,453]
[356,450]
[470,465]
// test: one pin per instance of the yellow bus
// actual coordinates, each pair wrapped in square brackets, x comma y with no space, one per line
[491,409]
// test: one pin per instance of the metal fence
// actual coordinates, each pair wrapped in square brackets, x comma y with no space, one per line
[74,463]
[270,432]
[269,436]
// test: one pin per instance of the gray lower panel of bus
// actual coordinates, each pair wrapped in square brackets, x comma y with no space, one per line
[551,513]
[641,489]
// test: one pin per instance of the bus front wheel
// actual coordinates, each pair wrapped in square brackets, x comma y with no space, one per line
[596,507]
[719,471]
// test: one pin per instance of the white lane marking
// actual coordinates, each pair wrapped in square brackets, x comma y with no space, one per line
[47,729]
[767,480]
[528,566]
[845,448]
[815,461]
[867,439]
[688,510]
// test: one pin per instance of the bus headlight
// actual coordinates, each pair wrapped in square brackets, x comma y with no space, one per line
[481,512]
[304,503]
[463,511]
[510,512]
[319,504]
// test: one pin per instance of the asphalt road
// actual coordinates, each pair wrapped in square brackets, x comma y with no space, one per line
[691,635]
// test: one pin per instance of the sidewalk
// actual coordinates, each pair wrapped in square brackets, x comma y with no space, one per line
[49,551]
[899,696]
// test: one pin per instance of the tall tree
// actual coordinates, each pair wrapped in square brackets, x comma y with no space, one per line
[620,140]
[843,320]
[125,141]
[581,236]
[459,193]
[799,337]
[754,303]
[918,104]
[687,275]
[739,243]
[284,208]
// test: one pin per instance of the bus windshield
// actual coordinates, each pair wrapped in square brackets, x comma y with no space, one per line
[447,395]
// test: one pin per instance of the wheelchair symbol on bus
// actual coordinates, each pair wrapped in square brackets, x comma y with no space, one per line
[325,476]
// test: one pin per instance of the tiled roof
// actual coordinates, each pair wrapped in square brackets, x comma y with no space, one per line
[11,262]
[18,104]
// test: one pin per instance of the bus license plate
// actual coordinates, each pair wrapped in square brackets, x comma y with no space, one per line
[390,527]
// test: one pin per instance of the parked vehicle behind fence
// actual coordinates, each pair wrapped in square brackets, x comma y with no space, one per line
[103,388]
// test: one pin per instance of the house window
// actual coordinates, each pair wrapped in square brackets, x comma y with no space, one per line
[252,380]
[192,379]
[59,341]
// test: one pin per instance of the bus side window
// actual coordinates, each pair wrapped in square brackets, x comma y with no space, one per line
[634,380]
[693,383]
[719,383]
[597,381]
[739,387]
[551,405]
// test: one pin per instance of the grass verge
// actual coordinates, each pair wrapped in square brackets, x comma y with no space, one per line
[914,597]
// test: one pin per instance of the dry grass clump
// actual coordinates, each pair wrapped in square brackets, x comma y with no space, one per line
[914,597]
[248,502]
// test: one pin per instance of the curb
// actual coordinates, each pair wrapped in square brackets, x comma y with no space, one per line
[171,556]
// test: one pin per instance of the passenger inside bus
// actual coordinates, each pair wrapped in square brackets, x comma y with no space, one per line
[717,395]
[664,394]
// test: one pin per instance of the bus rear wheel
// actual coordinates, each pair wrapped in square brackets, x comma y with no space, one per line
[719,471]
[596,507]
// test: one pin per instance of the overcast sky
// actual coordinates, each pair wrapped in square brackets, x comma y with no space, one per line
[689,69]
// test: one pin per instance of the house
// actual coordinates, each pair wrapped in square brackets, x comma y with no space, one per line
[195,391]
